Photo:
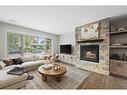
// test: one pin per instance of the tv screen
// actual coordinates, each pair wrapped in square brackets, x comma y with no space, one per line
[65,49]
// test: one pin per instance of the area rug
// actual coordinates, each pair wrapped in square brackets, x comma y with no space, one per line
[30,77]
[71,80]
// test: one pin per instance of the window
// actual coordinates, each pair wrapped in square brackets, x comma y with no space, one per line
[28,43]
[14,43]
[48,45]
[19,44]
[38,44]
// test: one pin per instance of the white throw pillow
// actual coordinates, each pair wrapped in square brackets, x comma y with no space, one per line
[2,65]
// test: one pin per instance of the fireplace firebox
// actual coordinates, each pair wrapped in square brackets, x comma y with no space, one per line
[89,53]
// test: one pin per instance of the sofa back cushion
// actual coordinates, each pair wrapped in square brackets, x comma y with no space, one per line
[17,61]
[36,57]
[41,57]
[27,58]
[2,65]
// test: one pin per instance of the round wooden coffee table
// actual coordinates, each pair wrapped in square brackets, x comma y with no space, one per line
[57,74]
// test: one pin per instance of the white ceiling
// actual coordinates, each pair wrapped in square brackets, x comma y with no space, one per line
[57,19]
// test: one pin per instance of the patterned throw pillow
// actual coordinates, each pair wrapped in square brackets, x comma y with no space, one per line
[8,62]
[17,61]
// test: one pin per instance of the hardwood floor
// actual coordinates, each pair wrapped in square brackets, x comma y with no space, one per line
[100,81]
[93,81]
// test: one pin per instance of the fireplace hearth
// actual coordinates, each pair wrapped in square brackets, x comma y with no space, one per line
[89,53]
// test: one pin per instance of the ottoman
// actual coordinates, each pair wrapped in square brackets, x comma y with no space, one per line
[8,81]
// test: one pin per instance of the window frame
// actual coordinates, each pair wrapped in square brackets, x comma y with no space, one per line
[24,33]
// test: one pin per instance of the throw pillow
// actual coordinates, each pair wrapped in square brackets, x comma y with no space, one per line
[2,65]
[17,61]
[8,62]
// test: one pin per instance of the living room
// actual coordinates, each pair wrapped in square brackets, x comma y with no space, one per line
[63,47]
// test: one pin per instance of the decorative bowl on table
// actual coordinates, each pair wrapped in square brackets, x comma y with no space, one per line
[47,66]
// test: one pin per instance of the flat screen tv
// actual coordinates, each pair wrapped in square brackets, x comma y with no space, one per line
[65,49]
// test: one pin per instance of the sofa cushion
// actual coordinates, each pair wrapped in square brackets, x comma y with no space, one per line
[40,62]
[41,57]
[7,80]
[11,66]
[27,58]
[2,65]
[32,64]
[17,61]
[8,62]
[28,64]
[36,57]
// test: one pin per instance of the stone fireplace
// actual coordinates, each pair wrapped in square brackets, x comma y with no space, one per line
[89,53]
[93,55]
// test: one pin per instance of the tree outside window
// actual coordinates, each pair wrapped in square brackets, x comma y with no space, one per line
[28,40]
[14,43]
[48,45]
[27,44]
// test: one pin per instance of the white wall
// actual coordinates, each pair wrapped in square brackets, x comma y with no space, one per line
[68,38]
[4,27]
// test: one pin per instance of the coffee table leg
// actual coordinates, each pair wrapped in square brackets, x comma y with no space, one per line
[44,78]
[59,78]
